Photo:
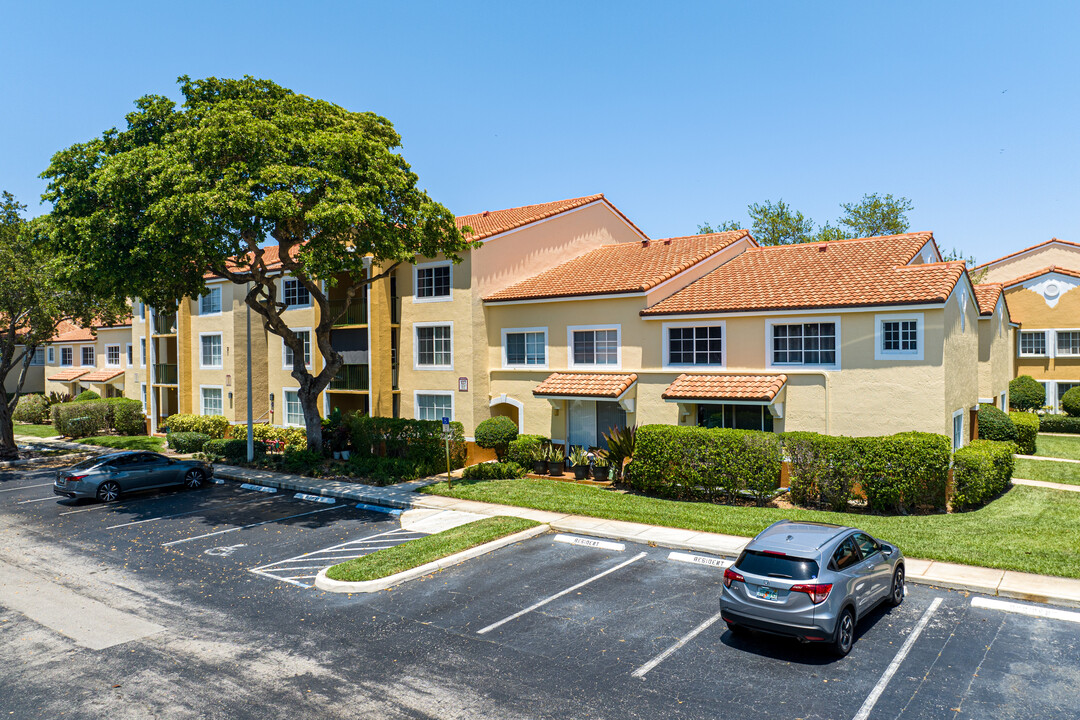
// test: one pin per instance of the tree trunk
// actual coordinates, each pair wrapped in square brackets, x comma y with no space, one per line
[309,402]
[8,449]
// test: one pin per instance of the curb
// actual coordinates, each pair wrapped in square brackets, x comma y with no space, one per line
[33,461]
[369,586]
[353,491]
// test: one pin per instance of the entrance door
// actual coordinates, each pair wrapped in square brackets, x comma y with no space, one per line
[609,415]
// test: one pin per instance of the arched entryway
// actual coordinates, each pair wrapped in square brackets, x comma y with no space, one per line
[509,407]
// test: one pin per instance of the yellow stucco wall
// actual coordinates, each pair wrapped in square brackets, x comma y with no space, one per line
[35,377]
[1058,255]
[995,355]
[1033,312]
[105,337]
[961,357]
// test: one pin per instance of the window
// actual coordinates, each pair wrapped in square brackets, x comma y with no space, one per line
[1062,388]
[847,554]
[898,336]
[434,406]
[525,348]
[867,545]
[757,562]
[1068,342]
[145,408]
[1033,343]
[38,358]
[433,282]
[958,429]
[696,345]
[288,358]
[594,347]
[434,348]
[211,401]
[142,352]
[296,295]
[112,356]
[66,357]
[210,303]
[211,350]
[52,356]
[88,355]
[739,417]
[294,413]
[131,355]
[804,344]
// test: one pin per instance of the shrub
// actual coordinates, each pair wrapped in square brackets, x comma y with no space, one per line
[301,462]
[994,424]
[381,470]
[294,436]
[31,409]
[59,398]
[493,471]
[699,463]
[1027,430]
[1059,424]
[126,416]
[80,419]
[212,425]
[496,434]
[187,442]
[620,444]
[86,396]
[231,451]
[523,448]
[981,471]
[1025,393]
[1070,401]
[418,441]
[820,469]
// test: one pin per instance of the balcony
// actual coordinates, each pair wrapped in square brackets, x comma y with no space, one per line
[351,377]
[355,315]
[164,324]
[395,311]
[165,374]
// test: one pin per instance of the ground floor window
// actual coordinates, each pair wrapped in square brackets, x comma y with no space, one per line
[957,429]
[739,417]
[432,406]
[294,413]
[1062,388]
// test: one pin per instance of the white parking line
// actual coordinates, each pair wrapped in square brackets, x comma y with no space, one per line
[872,698]
[24,487]
[558,595]
[190,512]
[1030,610]
[640,672]
[245,527]
[333,555]
[51,497]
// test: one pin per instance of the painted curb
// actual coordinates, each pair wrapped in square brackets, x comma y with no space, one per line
[368,586]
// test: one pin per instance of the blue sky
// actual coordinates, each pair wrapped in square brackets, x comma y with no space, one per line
[679,116]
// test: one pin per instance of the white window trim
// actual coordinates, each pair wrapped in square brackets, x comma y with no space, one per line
[1052,392]
[1002,402]
[144,397]
[50,355]
[211,367]
[61,354]
[82,356]
[202,399]
[666,342]
[285,407]
[120,361]
[1046,342]
[952,430]
[1055,352]
[416,345]
[416,402]
[571,329]
[311,344]
[130,359]
[882,354]
[221,302]
[770,322]
[287,278]
[518,366]
[416,281]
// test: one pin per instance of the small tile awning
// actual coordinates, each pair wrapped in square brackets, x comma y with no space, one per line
[717,388]
[586,385]
[67,375]
[100,376]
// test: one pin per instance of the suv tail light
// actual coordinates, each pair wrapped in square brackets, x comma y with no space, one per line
[730,575]
[817,593]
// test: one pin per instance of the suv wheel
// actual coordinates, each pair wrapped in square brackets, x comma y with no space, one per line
[845,633]
[108,491]
[897,595]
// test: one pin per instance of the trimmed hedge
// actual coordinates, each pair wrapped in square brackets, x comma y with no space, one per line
[1070,402]
[1027,430]
[994,424]
[493,471]
[86,396]
[982,470]
[381,470]
[420,442]
[1059,424]
[125,416]
[1026,393]
[522,449]
[81,419]
[699,463]
[232,451]
[187,442]
[300,461]
[496,433]
[292,436]
[32,409]
[212,425]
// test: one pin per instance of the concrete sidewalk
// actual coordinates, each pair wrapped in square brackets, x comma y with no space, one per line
[1002,583]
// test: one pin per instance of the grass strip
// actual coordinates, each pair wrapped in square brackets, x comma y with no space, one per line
[1047,471]
[122,442]
[1027,529]
[415,553]
[42,431]
[1059,447]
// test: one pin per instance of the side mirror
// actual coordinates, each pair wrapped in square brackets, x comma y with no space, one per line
[887,549]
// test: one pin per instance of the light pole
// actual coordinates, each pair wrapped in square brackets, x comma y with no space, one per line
[250,412]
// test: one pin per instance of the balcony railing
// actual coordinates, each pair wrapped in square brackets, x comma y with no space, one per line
[165,324]
[355,315]
[165,374]
[395,310]
[351,377]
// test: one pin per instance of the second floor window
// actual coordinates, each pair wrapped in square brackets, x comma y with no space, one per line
[38,357]
[295,294]
[88,355]
[696,345]
[142,352]
[112,355]
[596,347]
[1068,342]
[210,303]
[52,355]
[804,344]
[433,282]
[433,346]
[65,357]
[899,336]
[526,348]
[1033,343]
[211,351]
[304,335]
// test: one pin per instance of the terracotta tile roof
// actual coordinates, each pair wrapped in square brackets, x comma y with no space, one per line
[840,273]
[67,375]
[493,222]
[621,268]
[601,385]
[725,387]
[1051,241]
[99,376]
[1043,271]
[986,296]
[69,332]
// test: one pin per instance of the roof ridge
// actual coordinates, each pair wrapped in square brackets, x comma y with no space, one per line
[1042,271]
[583,198]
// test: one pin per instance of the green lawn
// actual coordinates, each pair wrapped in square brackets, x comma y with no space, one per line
[1047,471]
[36,430]
[133,442]
[1059,447]
[1028,529]
[423,550]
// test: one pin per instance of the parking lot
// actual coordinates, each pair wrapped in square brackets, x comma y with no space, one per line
[556,629]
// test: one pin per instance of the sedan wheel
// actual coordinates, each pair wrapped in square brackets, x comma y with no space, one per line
[845,633]
[108,491]
[897,595]
[193,480]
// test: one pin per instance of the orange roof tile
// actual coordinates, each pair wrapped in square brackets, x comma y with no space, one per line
[1051,241]
[835,274]
[621,268]
[602,385]
[66,375]
[986,296]
[761,388]
[1043,271]
[493,222]
[99,376]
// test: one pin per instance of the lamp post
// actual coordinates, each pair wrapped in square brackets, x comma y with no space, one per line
[250,412]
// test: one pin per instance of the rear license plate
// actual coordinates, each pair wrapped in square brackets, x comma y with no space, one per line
[766,593]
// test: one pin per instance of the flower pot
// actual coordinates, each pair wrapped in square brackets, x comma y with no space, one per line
[540,467]
[555,468]
[600,473]
[337,455]
[580,471]
[345,454]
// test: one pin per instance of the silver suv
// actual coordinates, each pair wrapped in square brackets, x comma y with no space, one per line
[811,581]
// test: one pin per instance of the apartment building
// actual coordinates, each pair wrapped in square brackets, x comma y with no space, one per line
[97,359]
[35,374]
[1037,284]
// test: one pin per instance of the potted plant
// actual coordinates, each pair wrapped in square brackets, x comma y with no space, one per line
[600,466]
[555,460]
[579,460]
[540,459]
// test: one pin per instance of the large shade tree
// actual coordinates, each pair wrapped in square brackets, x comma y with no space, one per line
[35,298]
[245,173]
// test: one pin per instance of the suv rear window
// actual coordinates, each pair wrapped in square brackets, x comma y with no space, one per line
[757,562]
